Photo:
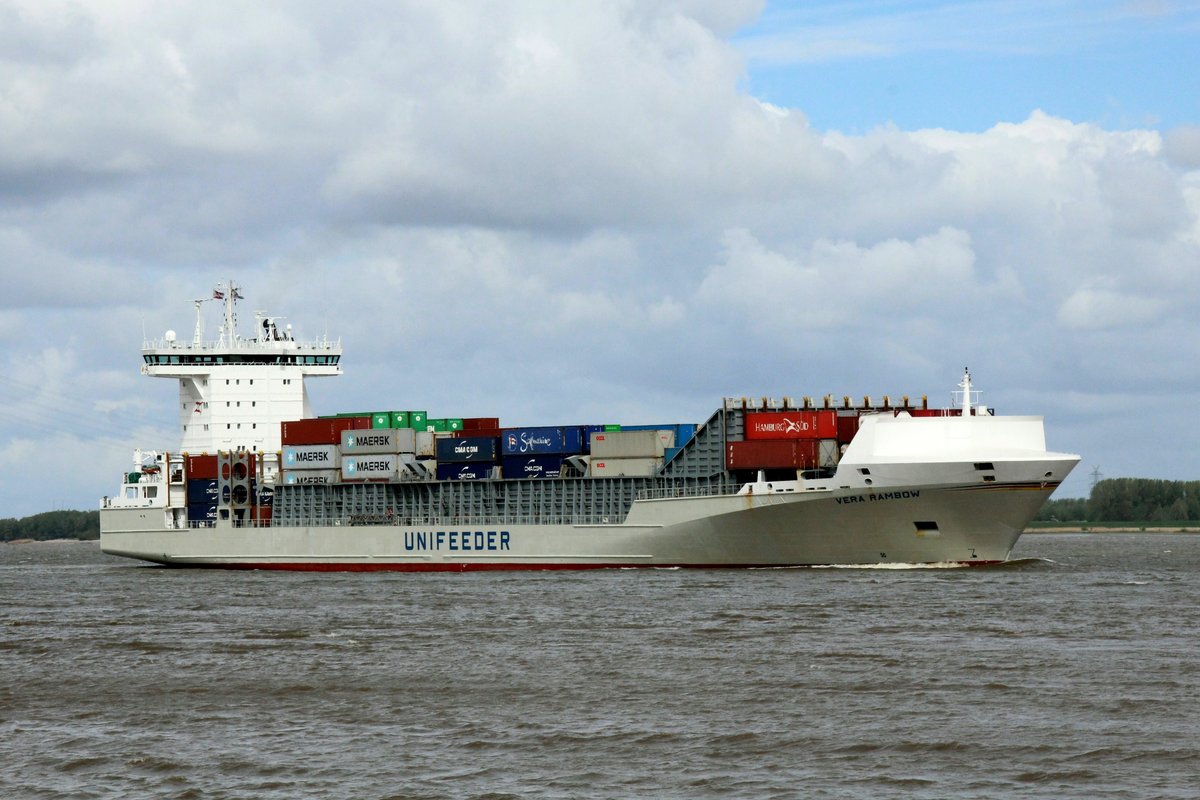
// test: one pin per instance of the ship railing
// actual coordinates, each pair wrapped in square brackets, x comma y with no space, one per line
[673,492]
[248,345]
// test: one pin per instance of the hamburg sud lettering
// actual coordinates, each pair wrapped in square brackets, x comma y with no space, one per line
[457,541]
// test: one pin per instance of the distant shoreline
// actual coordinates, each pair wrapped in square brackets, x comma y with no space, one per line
[1131,528]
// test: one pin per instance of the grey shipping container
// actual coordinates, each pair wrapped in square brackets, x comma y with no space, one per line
[632,444]
[311,476]
[310,456]
[370,467]
[623,467]
[378,440]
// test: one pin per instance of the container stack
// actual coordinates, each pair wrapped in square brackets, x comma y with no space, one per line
[467,457]
[631,451]
[787,440]
[311,452]
[200,472]
[539,452]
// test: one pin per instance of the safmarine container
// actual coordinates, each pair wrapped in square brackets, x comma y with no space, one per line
[623,467]
[645,443]
[542,441]
[311,477]
[791,425]
[377,440]
[532,466]
[310,456]
[476,448]
[378,466]
[464,472]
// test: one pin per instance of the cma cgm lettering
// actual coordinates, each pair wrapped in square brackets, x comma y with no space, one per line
[457,541]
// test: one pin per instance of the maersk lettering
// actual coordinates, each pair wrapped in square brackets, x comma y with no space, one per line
[375,440]
[457,541]
[311,456]
[905,494]
[373,466]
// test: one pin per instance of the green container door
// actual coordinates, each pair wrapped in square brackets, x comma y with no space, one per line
[612,427]
[381,419]
[400,419]
[417,419]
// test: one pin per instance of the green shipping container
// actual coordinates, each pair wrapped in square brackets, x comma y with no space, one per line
[416,419]
[381,419]
[400,419]
[454,424]
[612,427]
[436,425]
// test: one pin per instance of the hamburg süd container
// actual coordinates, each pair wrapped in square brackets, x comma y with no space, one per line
[773,454]
[791,425]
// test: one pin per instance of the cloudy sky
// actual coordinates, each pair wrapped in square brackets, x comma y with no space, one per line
[566,212]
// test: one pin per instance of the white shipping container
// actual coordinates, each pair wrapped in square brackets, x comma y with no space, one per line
[829,452]
[425,444]
[295,477]
[631,444]
[370,467]
[623,467]
[310,456]
[378,440]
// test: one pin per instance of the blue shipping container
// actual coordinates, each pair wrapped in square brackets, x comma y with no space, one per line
[201,491]
[475,448]
[206,512]
[543,466]
[522,441]
[464,471]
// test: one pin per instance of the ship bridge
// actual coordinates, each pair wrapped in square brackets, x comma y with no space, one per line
[235,391]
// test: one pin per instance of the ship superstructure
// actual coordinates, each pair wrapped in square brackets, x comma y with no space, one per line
[759,483]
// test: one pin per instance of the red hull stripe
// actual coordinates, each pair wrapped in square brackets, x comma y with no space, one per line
[481,567]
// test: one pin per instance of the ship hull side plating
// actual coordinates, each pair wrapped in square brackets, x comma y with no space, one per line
[966,524]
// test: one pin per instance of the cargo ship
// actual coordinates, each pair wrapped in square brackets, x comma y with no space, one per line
[259,481]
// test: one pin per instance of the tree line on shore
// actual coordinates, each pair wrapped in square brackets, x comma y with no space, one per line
[1128,500]
[1111,500]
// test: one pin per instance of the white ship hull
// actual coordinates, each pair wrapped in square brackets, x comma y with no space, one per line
[973,525]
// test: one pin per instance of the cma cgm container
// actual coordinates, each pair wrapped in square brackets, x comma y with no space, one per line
[202,513]
[792,425]
[378,466]
[312,456]
[476,448]
[201,491]
[774,454]
[542,441]
[327,430]
[533,466]
[464,472]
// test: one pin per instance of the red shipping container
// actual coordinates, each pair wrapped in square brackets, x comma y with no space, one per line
[261,515]
[324,430]
[202,467]
[473,433]
[847,426]
[774,454]
[792,425]
[481,424]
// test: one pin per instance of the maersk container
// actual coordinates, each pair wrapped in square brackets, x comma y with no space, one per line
[376,440]
[311,477]
[532,466]
[542,441]
[645,443]
[378,466]
[464,472]
[791,425]
[201,491]
[623,467]
[310,456]
[475,448]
